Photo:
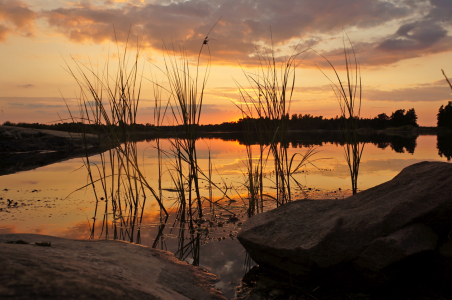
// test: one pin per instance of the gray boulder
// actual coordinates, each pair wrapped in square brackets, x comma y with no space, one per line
[376,234]
[96,269]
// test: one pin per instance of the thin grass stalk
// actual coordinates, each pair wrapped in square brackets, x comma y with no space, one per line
[158,122]
[273,88]
[188,94]
[447,79]
[349,95]
[117,127]
[210,168]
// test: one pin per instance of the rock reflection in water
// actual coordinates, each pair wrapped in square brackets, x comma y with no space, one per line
[210,244]
[385,156]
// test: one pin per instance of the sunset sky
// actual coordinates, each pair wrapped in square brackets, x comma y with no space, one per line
[401,45]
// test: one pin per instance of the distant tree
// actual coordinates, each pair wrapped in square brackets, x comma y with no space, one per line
[444,116]
[383,117]
[286,116]
[398,118]
[411,117]
[381,121]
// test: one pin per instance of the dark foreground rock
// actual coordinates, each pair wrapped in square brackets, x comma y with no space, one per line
[99,269]
[398,231]
[260,283]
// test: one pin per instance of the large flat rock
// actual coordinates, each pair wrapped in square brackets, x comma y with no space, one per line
[372,231]
[96,269]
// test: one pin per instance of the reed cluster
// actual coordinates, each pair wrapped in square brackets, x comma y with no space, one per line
[186,95]
[266,109]
[186,83]
[109,100]
[348,94]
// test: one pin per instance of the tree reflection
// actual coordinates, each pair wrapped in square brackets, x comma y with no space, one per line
[444,146]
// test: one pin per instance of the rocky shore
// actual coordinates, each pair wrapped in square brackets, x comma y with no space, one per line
[397,234]
[23,149]
[44,267]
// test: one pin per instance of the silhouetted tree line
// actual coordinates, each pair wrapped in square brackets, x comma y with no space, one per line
[295,122]
[397,143]
[77,127]
[444,116]
[382,121]
[308,122]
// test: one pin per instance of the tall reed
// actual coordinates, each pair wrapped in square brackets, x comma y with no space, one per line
[348,94]
[110,101]
[186,86]
[266,110]
[159,116]
[447,79]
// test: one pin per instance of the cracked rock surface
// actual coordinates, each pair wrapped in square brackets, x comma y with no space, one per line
[96,269]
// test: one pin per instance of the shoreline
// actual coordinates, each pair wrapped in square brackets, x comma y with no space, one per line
[24,149]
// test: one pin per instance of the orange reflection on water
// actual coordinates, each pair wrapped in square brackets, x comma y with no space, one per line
[47,205]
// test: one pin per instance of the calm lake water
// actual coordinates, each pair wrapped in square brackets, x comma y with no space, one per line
[47,204]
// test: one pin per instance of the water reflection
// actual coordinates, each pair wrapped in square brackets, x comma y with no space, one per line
[187,234]
[210,242]
[48,211]
[444,145]
[399,142]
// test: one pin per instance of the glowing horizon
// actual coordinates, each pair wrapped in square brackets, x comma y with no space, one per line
[401,47]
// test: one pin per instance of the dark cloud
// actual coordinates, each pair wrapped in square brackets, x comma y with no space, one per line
[426,35]
[36,102]
[414,36]
[35,105]
[387,52]
[243,25]
[427,92]
[422,93]
[16,17]
[206,109]
[25,86]
[211,113]
[441,11]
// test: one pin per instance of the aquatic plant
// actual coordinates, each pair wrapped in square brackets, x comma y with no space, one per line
[186,86]
[110,100]
[348,94]
[447,79]
[266,110]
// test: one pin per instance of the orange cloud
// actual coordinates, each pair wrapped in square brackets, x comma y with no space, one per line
[16,17]
[246,24]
